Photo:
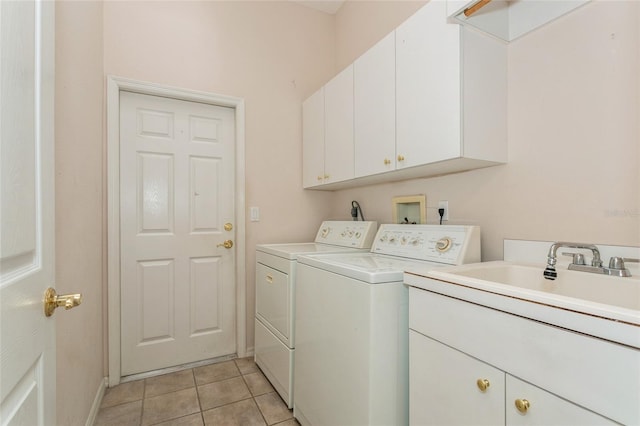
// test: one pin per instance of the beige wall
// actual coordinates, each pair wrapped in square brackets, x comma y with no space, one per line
[79,206]
[573,139]
[360,24]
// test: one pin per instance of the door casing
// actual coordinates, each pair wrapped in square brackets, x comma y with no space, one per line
[114,86]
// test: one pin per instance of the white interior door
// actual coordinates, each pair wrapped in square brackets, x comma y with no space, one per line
[176,211]
[27,337]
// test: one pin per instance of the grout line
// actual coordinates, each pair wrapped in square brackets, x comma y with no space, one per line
[193,372]
[144,394]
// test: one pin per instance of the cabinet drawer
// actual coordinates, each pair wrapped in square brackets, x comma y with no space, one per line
[590,372]
[273,301]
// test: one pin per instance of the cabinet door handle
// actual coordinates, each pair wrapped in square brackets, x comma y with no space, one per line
[400,158]
[269,279]
[522,405]
[483,384]
[387,161]
[319,178]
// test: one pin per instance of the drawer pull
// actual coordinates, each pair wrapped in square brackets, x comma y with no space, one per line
[522,405]
[483,384]
[269,279]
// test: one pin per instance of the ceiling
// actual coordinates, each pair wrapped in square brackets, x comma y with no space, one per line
[327,6]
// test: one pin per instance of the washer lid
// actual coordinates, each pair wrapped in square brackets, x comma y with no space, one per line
[368,267]
[292,251]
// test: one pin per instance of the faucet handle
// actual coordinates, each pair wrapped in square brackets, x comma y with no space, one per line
[578,258]
[618,262]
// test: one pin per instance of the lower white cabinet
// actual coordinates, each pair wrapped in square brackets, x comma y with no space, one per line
[448,387]
[469,364]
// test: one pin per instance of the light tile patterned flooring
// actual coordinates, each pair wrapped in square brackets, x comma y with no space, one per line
[228,393]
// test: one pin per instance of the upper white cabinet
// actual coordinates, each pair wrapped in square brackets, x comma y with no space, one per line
[327,132]
[428,99]
[508,19]
[451,99]
[338,130]
[375,108]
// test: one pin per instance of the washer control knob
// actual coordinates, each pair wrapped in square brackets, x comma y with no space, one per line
[358,234]
[324,232]
[443,244]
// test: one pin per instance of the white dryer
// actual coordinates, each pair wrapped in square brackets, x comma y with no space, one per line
[275,295]
[352,326]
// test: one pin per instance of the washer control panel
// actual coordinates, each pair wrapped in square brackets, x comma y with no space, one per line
[347,233]
[449,244]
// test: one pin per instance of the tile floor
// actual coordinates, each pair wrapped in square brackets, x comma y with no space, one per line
[228,393]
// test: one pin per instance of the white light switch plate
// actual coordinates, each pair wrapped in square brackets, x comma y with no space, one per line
[254,213]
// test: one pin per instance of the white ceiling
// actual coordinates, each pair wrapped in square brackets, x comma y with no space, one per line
[327,6]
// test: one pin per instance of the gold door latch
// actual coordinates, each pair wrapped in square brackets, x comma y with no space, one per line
[228,226]
[226,244]
[52,301]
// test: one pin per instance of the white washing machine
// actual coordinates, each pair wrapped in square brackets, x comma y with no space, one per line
[352,327]
[275,295]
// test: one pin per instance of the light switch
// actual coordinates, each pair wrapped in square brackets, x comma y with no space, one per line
[254,213]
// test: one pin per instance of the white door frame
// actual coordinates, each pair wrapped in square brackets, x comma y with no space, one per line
[114,86]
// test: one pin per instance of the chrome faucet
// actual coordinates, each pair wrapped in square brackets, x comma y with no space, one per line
[616,264]
[550,271]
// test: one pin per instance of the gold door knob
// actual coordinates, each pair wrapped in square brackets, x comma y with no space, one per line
[387,161]
[522,405]
[400,158]
[228,226]
[226,244]
[52,301]
[483,384]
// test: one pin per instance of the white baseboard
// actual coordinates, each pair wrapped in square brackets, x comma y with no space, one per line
[95,407]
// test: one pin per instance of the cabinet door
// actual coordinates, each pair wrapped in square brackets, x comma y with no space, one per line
[338,136]
[375,108]
[428,88]
[545,408]
[313,140]
[443,388]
